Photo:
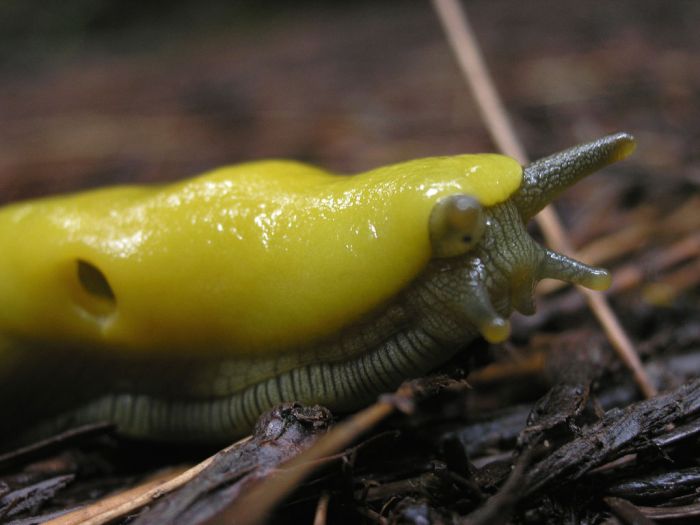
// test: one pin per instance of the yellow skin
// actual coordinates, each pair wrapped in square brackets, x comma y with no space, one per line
[184,311]
[245,259]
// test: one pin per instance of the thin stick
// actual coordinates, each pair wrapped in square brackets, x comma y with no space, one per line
[463,43]
[119,505]
[321,517]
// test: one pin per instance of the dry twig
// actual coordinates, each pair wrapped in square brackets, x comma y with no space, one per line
[254,505]
[120,505]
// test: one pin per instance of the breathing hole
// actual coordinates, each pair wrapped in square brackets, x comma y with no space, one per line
[98,297]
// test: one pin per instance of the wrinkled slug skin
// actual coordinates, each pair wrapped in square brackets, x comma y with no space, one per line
[182,311]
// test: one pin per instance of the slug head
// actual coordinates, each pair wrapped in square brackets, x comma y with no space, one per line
[490,261]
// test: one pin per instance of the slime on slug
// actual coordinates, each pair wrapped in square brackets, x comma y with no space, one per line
[182,312]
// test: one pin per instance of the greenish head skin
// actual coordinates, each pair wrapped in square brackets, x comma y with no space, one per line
[484,266]
[501,263]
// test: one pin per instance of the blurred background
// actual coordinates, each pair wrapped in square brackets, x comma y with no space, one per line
[95,93]
[123,91]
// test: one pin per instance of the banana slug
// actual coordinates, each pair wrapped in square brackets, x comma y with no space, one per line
[183,311]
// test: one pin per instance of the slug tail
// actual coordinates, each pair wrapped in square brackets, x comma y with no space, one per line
[546,178]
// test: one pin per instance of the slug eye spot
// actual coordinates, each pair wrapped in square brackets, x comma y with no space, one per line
[456,225]
[95,294]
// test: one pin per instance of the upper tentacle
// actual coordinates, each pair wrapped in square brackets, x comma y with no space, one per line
[544,179]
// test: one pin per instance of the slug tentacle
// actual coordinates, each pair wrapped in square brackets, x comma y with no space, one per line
[544,179]
[557,266]
[479,311]
[522,297]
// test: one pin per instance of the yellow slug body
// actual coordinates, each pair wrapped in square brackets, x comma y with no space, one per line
[183,311]
[250,259]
